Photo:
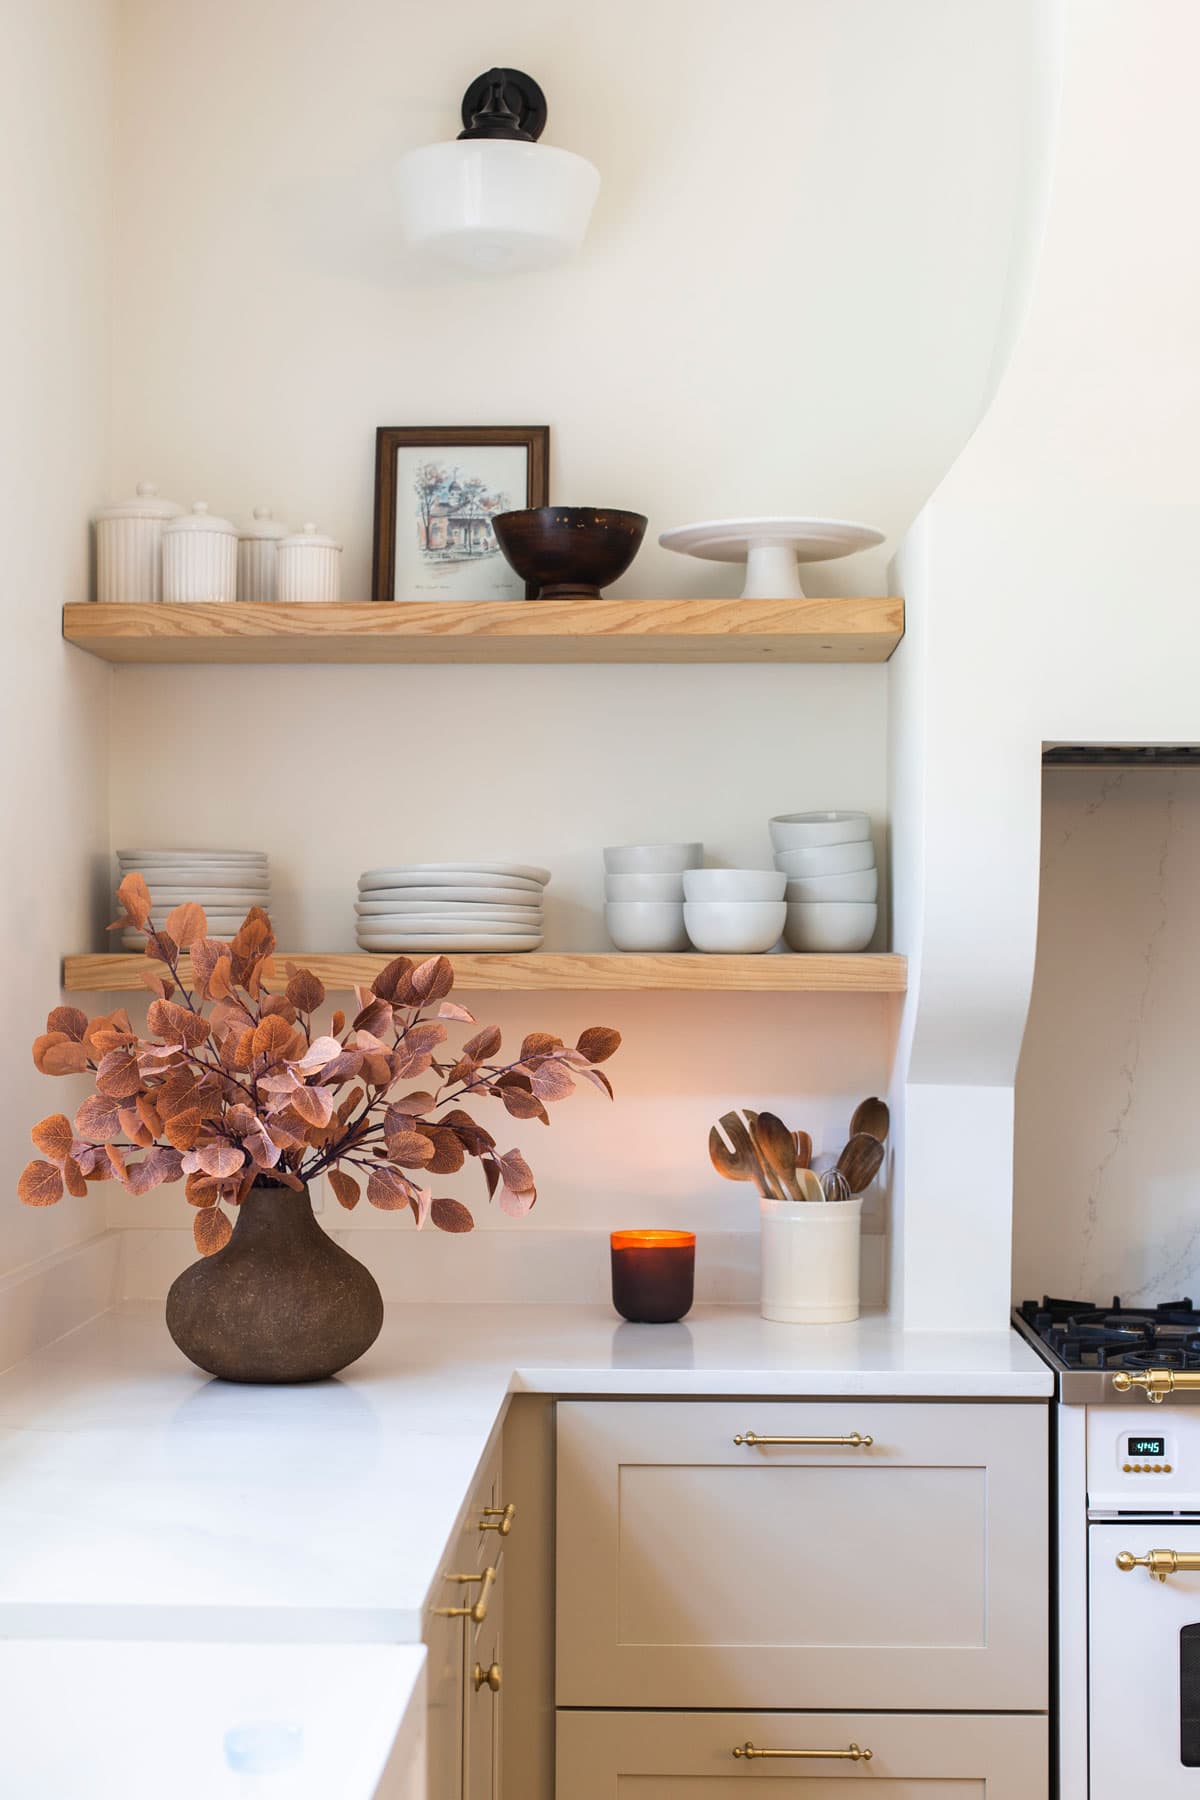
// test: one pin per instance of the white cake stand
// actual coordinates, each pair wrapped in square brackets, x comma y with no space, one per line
[771,548]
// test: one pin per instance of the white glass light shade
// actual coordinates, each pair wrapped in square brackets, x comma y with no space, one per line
[493,206]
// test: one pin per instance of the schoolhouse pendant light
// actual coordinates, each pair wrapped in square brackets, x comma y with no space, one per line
[495,200]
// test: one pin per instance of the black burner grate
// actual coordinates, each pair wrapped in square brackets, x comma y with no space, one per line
[1086,1336]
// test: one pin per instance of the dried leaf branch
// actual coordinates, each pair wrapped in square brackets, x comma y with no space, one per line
[235,1084]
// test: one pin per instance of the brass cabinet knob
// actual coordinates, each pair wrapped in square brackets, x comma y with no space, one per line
[487,1677]
[498,1518]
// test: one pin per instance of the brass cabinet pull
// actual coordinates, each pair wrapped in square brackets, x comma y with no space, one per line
[852,1753]
[1158,1383]
[855,1441]
[503,1517]
[1161,1563]
[487,1677]
[476,1613]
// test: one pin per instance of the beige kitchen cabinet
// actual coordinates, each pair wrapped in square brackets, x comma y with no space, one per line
[463,1718]
[886,1555]
[690,1756]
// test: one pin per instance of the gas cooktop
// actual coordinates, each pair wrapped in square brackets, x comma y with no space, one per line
[1087,1344]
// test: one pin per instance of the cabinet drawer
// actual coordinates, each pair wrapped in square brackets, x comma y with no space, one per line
[689,1756]
[696,1571]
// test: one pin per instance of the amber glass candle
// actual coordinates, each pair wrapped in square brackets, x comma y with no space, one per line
[652,1275]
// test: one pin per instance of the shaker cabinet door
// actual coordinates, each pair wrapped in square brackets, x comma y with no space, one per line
[697,1571]
[690,1756]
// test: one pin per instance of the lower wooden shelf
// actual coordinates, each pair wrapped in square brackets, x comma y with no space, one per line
[549,970]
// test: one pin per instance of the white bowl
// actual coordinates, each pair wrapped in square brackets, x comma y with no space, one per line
[733,884]
[800,831]
[643,887]
[646,924]
[830,925]
[827,859]
[652,859]
[859,884]
[734,927]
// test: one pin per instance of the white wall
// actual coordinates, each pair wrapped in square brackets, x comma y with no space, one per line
[1049,580]
[1108,1133]
[55,132]
[789,299]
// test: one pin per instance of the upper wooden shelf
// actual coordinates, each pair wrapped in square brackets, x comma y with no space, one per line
[549,971]
[485,631]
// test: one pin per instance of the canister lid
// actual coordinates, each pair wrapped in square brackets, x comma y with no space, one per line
[263,525]
[200,519]
[310,538]
[147,503]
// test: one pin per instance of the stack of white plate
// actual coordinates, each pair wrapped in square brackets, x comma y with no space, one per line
[435,907]
[226,883]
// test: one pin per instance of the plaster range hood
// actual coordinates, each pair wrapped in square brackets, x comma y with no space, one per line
[1121,756]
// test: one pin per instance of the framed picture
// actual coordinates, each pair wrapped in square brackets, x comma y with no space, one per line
[437,490]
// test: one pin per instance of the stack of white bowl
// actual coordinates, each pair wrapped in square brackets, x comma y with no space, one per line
[448,907]
[643,894]
[226,883]
[734,911]
[832,882]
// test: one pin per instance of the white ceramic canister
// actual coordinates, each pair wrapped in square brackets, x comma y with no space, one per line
[199,556]
[129,546]
[256,556]
[810,1257]
[309,566]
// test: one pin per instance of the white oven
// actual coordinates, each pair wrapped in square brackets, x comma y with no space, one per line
[1144,1698]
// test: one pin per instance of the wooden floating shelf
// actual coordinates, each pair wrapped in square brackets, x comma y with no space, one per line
[485,631]
[557,971]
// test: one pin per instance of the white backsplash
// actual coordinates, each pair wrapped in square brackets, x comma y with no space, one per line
[1107,1199]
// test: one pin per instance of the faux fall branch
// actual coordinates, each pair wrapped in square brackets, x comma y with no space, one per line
[235,1086]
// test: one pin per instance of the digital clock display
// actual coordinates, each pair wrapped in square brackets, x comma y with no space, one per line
[1147,1446]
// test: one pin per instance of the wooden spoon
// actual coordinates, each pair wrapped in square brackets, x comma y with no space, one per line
[743,1153]
[860,1161]
[724,1160]
[809,1183]
[775,1186]
[804,1149]
[873,1117]
[777,1147]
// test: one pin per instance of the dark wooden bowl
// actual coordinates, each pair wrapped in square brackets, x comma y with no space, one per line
[570,552]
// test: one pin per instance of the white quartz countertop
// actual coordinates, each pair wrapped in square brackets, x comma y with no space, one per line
[137,1721]
[141,1500]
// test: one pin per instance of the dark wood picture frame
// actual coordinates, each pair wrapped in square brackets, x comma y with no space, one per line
[389,439]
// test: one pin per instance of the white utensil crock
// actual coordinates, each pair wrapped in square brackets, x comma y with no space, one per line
[129,546]
[309,567]
[810,1254]
[257,563]
[199,557]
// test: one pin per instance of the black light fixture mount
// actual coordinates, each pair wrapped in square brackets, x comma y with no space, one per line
[504,103]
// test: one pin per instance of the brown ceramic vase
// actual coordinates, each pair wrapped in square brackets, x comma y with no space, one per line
[281,1301]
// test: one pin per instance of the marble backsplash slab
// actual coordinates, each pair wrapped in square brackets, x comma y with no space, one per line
[1107,1150]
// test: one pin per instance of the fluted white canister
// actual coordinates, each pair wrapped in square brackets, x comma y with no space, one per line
[309,566]
[129,546]
[199,556]
[257,561]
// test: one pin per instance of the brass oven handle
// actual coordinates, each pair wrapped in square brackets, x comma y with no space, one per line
[503,1516]
[487,1677]
[851,1754]
[1158,1383]
[855,1441]
[477,1613]
[1161,1563]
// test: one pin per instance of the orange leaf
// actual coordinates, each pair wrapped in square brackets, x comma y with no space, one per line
[134,896]
[345,1187]
[304,990]
[40,1184]
[68,1019]
[451,1215]
[73,1177]
[387,1190]
[176,1024]
[98,1120]
[274,1039]
[186,923]
[54,1053]
[53,1136]
[411,1149]
[211,1230]
[599,1042]
[220,1160]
